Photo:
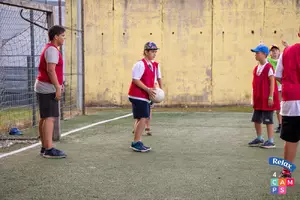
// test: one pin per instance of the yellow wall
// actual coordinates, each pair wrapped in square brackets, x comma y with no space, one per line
[70,54]
[205,45]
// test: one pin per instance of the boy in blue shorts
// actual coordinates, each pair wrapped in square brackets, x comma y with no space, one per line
[141,91]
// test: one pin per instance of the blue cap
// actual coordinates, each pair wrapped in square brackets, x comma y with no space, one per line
[261,48]
[150,46]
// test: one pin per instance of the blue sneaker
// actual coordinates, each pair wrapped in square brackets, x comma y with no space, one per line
[146,147]
[268,145]
[139,147]
[54,153]
[256,142]
[42,151]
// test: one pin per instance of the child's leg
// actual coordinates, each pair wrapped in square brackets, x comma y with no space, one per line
[141,111]
[150,117]
[279,118]
[258,129]
[134,125]
[290,150]
[41,124]
[290,133]
[268,120]
[257,119]
[140,126]
[149,120]
[147,129]
[270,132]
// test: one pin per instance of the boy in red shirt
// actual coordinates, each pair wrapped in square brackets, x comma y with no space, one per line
[265,97]
[288,74]
[140,91]
[48,87]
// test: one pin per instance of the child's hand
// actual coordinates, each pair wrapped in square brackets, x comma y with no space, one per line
[270,102]
[151,92]
[284,43]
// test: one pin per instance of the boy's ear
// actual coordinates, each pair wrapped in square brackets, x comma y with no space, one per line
[299,34]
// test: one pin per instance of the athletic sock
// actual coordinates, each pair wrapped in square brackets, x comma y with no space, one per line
[271,140]
[260,137]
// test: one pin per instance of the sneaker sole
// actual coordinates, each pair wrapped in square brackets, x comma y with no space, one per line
[255,145]
[268,147]
[54,157]
[137,150]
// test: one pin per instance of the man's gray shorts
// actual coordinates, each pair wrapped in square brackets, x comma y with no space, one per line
[262,116]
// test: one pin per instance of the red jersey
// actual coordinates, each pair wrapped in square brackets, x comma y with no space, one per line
[261,90]
[43,74]
[291,73]
[148,80]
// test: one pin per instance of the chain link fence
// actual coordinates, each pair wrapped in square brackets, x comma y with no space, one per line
[23,35]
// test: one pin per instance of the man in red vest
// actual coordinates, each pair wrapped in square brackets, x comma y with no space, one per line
[265,97]
[288,73]
[141,91]
[48,87]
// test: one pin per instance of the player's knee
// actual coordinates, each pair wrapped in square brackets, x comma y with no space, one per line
[49,119]
[143,119]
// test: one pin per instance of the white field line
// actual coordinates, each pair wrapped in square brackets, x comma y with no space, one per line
[63,135]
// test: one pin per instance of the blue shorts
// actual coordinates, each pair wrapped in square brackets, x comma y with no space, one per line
[140,109]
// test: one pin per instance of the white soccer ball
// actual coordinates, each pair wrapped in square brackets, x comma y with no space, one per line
[159,96]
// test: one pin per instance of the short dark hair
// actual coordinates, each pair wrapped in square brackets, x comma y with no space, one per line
[145,50]
[55,30]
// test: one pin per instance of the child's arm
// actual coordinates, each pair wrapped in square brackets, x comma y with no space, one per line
[272,86]
[159,83]
[137,73]
[285,43]
[141,85]
[159,77]
[279,69]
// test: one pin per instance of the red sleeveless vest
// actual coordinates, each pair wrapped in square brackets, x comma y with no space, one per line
[261,90]
[43,74]
[147,78]
[291,73]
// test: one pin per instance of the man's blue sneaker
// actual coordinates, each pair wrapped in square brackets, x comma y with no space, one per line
[268,145]
[139,147]
[42,151]
[256,142]
[54,153]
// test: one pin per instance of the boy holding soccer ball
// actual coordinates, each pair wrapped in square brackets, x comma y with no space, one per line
[141,91]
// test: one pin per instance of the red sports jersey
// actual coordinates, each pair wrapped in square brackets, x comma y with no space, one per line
[291,73]
[261,90]
[43,74]
[147,78]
